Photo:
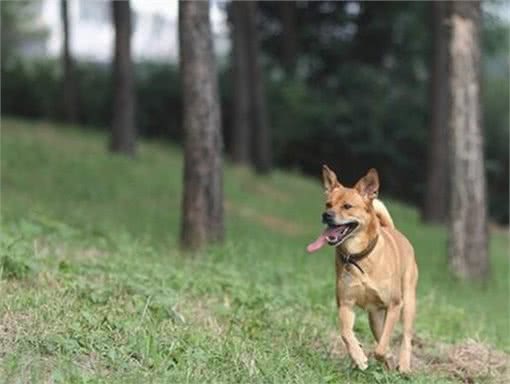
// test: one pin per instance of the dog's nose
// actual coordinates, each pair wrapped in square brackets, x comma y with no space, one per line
[328,217]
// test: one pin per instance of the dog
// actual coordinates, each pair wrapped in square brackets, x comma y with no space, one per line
[375,266]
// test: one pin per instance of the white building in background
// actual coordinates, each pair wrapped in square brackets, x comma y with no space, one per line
[154,22]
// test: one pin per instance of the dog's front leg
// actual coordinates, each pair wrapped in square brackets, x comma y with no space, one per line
[347,316]
[392,316]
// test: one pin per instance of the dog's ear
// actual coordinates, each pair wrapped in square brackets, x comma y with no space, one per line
[329,178]
[368,185]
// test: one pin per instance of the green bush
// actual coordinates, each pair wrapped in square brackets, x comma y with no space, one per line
[15,258]
[377,120]
[33,89]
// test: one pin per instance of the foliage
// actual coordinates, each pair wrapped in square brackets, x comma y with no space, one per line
[38,84]
[495,114]
[358,98]
[16,27]
[363,67]
[13,264]
[309,126]
[109,299]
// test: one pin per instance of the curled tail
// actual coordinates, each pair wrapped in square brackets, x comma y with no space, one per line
[383,214]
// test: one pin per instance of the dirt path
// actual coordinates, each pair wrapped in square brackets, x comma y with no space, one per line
[469,361]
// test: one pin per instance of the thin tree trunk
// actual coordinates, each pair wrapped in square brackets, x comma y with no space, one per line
[70,97]
[241,95]
[468,214]
[261,134]
[435,207]
[123,134]
[289,35]
[202,202]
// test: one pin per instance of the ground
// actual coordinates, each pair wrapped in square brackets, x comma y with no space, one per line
[95,290]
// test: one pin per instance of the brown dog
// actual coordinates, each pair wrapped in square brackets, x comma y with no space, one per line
[375,266]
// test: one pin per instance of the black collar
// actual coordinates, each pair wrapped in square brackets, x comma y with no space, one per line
[355,257]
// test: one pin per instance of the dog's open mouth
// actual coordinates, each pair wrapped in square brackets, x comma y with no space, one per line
[333,235]
[337,233]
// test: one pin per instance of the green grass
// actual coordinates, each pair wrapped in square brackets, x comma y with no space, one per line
[95,290]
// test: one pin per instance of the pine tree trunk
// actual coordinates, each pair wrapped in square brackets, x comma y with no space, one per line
[261,134]
[468,215]
[123,133]
[69,85]
[241,92]
[202,203]
[289,35]
[435,207]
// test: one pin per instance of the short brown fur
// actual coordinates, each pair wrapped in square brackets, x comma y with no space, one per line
[387,285]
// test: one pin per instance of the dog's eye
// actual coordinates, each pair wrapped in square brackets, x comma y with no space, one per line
[328,205]
[347,206]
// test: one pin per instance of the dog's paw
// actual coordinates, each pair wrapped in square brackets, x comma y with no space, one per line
[404,369]
[404,364]
[361,363]
[380,355]
[390,363]
[386,358]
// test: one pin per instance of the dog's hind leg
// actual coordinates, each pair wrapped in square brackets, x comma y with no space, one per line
[376,319]
[408,314]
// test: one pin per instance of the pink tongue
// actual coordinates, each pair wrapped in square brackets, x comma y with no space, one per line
[317,244]
[321,240]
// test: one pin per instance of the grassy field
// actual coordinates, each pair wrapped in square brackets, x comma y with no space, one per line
[94,290]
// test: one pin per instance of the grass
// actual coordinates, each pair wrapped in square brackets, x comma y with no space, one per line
[94,290]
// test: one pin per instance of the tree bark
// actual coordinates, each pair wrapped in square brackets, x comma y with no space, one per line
[289,36]
[123,134]
[69,84]
[435,206]
[468,214]
[241,92]
[202,201]
[261,134]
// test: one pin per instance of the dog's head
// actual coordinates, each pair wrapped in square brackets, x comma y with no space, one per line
[349,215]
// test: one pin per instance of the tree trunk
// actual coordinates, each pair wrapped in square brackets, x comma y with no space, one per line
[435,207]
[468,214]
[241,92]
[123,134]
[261,135]
[69,85]
[202,202]
[289,36]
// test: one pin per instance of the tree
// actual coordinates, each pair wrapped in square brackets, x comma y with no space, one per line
[202,201]
[468,213]
[436,197]
[289,35]
[251,139]
[123,133]
[70,96]
[241,131]
[261,134]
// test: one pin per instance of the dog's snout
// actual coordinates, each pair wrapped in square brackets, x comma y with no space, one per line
[328,217]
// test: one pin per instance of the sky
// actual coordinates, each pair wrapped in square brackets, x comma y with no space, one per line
[169,9]
[93,39]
